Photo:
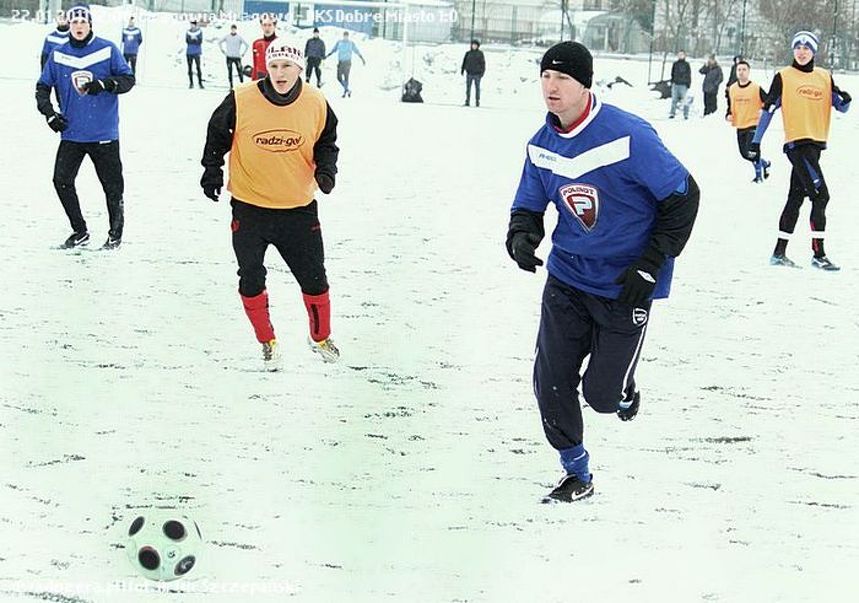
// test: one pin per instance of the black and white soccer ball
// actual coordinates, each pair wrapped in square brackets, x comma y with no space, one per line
[163,544]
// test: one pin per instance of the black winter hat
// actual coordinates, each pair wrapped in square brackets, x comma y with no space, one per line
[571,58]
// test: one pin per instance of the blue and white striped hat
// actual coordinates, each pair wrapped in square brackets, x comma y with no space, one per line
[79,11]
[805,38]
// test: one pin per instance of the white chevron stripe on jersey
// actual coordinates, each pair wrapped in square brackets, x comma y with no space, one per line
[82,62]
[590,160]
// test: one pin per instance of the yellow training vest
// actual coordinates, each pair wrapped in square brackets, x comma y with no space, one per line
[271,160]
[745,105]
[806,104]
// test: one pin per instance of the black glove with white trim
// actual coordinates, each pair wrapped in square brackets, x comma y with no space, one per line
[57,122]
[639,280]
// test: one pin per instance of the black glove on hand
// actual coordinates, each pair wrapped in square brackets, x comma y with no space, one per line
[98,86]
[57,122]
[522,248]
[212,182]
[325,181]
[523,237]
[845,96]
[639,279]
[754,152]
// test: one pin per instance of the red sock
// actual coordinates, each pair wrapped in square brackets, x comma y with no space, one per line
[256,308]
[319,315]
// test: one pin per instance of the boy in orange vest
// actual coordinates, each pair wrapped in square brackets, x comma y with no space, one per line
[806,95]
[275,172]
[745,100]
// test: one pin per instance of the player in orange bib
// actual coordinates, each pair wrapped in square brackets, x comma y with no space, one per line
[281,136]
[745,100]
[806,95]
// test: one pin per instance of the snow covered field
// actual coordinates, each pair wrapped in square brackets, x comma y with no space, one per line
[412,470]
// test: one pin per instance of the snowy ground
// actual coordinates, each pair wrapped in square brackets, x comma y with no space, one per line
[411,471]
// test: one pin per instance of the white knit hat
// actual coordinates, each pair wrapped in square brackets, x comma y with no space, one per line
[280,50]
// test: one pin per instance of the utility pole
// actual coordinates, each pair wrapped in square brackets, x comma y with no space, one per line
[473,2]
[833,60]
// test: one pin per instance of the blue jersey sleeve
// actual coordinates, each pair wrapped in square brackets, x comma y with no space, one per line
[48,78]
[118,66]
[531,194]
[653,166]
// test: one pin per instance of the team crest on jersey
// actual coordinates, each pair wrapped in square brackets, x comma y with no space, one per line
[583,201]
[79,78]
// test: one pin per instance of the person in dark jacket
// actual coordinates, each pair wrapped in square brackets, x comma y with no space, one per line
[473,66]
[732,77]
[314,52]
[681,79]
[274,176]
[713,76]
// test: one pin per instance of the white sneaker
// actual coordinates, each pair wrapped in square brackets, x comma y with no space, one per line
[325,348]
[271,358]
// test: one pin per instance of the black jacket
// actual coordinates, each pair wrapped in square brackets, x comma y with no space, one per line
[222,125]
[713,76]
[314,48]
[473,63]
[681,73]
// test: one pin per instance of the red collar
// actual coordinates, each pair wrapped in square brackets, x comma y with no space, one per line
[579,120]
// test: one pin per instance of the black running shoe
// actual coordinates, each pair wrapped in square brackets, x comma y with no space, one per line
[628,413]
[76,239]
[570,489]
[112,242]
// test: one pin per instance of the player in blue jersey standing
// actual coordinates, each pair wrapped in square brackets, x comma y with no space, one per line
[88,73]
[132,39]
[626,207]
[193,51]
[58,37]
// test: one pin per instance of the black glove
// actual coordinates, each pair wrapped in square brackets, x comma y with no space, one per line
[523,237]
[325,181]
[639,279]
[522,247]
[98,86]
[212,182]
[754,152]
[845,96]
[57,122]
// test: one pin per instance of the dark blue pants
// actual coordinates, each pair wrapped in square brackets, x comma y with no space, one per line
[574,325]
[472,79]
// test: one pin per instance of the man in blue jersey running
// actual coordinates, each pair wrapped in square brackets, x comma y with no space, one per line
[626,207]
[88,73]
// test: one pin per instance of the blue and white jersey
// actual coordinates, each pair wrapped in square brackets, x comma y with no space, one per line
[52,40]
[91,118]
[194,40]
[605,177]
[132,38]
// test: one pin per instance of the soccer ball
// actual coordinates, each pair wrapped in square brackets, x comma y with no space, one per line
[163,544]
